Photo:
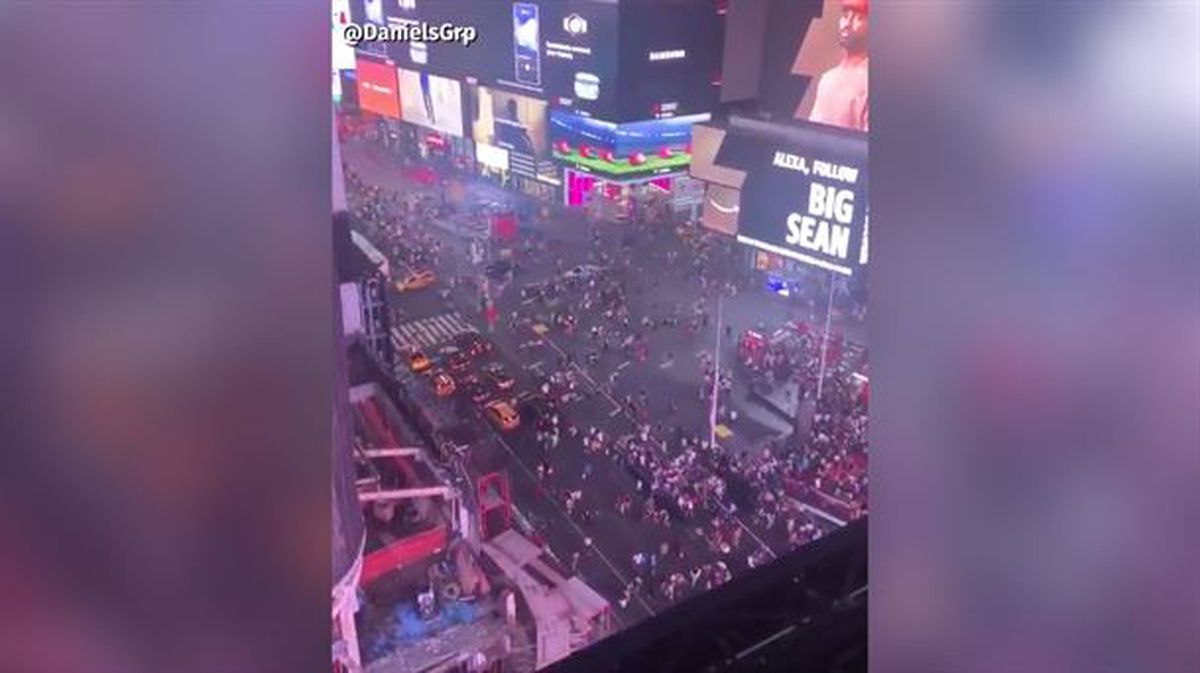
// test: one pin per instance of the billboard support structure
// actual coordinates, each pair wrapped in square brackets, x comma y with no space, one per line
[716,389]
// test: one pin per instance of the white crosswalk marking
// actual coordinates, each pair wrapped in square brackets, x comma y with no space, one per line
[429,332]
[444,328]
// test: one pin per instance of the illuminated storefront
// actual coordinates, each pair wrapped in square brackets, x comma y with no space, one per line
[492,162]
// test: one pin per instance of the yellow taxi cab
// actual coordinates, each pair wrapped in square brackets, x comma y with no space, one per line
[502,414]
[443,385]
[418,362]
[416,280]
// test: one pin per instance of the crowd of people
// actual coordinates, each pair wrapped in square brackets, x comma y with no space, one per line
[831,461]
[683,482]
[679,487]
[836,451]
[396,222]
[651,577]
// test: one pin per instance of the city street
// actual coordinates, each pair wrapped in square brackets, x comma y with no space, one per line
[660,279]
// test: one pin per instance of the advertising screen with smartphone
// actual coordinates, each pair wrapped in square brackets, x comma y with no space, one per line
[527,51]
[561,51]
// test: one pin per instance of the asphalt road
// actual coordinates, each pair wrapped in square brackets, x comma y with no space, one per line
[655,283]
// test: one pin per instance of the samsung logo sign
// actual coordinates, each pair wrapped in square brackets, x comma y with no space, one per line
[668,55]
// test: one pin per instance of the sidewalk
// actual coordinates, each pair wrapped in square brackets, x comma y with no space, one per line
[379,168]
[383,169]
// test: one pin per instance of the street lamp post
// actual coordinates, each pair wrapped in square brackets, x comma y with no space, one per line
[712,412]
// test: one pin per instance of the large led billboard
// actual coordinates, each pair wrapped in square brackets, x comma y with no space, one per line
[654,147]
[343,53]
[669,66]
[451,59]
[579,45]
[805,192]
[349,89]
[567,52]
[562,51]
[377,87]
[815,62]
[373,11]
[518,124]
[431,101]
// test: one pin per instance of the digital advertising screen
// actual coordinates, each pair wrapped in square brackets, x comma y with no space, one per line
[805,192]
[564,51]
[527,43]
[343,53]
[431,101]
[622,150]
[668,65]
[452,59]
[373,11]
[515,123]
[815,62]
[349,89]
[579,57]
[377,86]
